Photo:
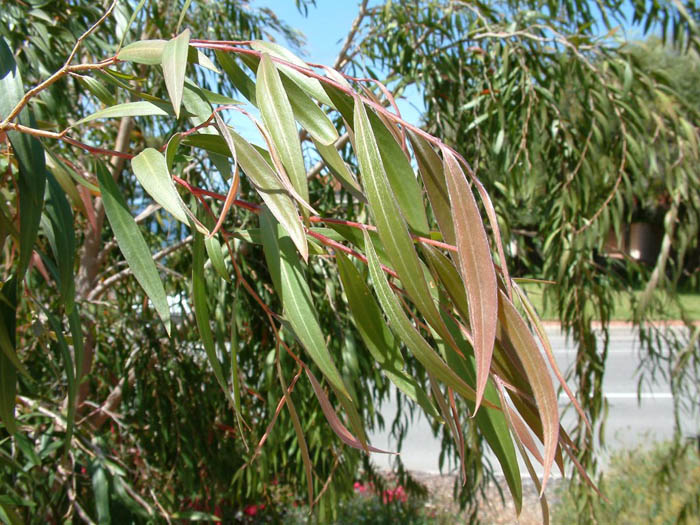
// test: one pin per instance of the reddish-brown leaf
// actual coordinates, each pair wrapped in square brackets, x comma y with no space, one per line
[476,267]
[334,421]
[537,376]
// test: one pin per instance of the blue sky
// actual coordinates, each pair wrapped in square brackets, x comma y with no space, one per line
[325,28]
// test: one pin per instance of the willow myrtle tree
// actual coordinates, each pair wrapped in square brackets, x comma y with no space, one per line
[435,313]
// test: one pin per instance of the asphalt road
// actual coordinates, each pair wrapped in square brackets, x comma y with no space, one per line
[632,419]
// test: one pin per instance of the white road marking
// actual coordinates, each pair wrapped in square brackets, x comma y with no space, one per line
[630,395]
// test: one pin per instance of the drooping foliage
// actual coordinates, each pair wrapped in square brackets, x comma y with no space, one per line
[583,139]
[193,315]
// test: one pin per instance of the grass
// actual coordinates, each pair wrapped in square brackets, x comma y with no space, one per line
[622,308]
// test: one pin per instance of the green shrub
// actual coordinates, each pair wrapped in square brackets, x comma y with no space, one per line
[658,486]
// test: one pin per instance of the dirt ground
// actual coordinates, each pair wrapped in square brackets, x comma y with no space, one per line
[492,509]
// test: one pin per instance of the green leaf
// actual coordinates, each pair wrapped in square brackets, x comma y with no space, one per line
[8,371]
[309,115]
[65,178]
[295,295]
[133,16]
[477,269]
[69,367]
[62,240]
[151,169]
[174,62]
[537,376]
[400,175]
[216,256]
[100,488]
[278,118]
[391,226]
[183,12]
[148,52]
[430,167]
[237,76]
[271,190]
[339,169]
[367,317]
[98,89]
[30,157]
[448,275]
[311,85]
[407,333]
[132,244]
[171,150]
[201,311]
[129,109]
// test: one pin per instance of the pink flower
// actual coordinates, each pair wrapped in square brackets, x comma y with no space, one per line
[398,494]
[250,510]
[359,487]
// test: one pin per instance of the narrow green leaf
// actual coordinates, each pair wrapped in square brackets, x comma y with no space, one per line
[100,488]
[476,267]
[431,171]
[242,82]
[407,333]
[98,89]
[129,109]
[295,295]
[148,52]
[278,118]
[271,190]
[171,150]
[367,317]
[339,169]
[183,12]
[65,178]
[537,376]
[201,311]
[218,98]
[132,244]
[216,256]
[174,62]
[30,157]
[400,175]
[133,16]
[235,379]
[8,371]
[311,85]
[308,114]
[447,274]
[151,169]
[298,430]
[62,239]
[391,226]
[69,367]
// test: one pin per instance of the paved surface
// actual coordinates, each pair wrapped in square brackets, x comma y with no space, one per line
[631,420]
